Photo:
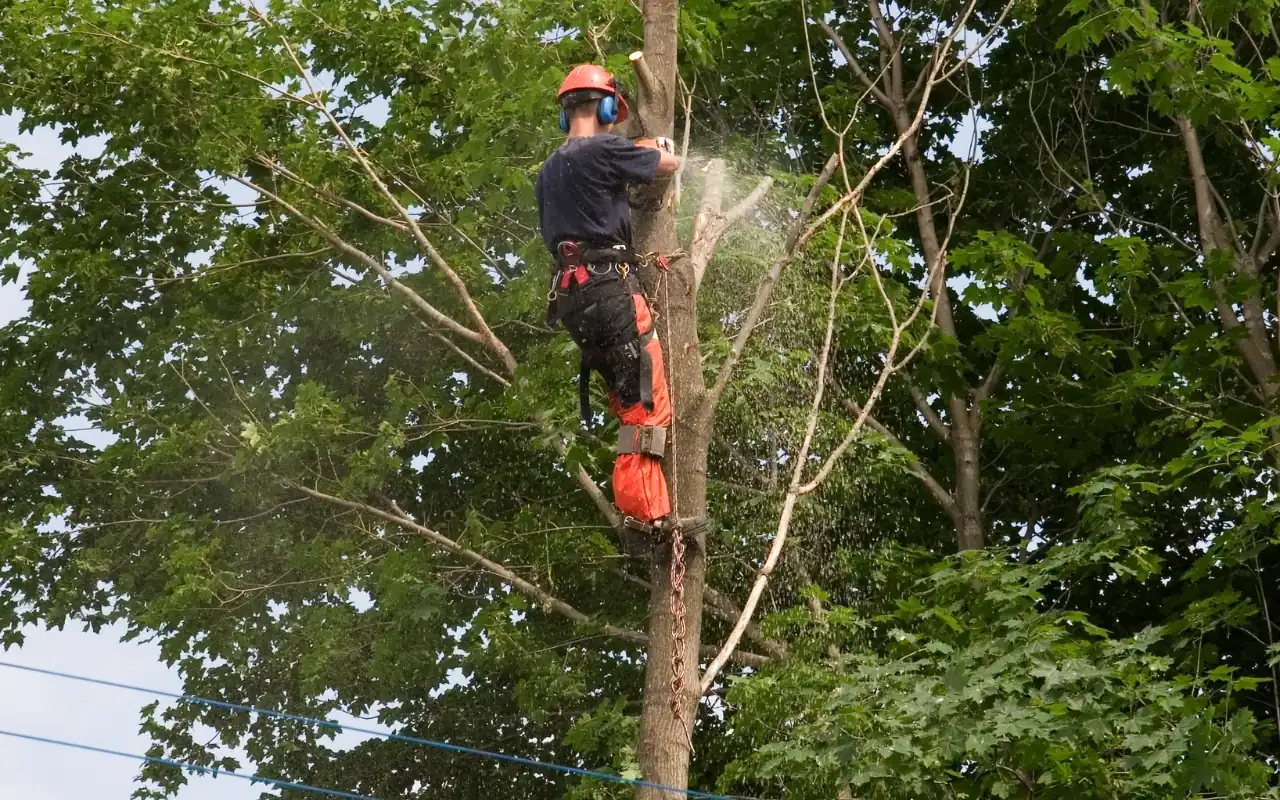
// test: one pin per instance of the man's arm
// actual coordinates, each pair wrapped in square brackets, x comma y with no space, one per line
[669,162]
[639,161]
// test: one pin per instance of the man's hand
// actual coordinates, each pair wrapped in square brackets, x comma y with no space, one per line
[670,162]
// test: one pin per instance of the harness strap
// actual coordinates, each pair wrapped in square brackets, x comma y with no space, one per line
[639,526]
[646,439]
[690,526]
[584,391]
[571,254]
[646,373]
[577,274]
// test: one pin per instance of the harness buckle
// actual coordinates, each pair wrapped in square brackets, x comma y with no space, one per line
[570,254]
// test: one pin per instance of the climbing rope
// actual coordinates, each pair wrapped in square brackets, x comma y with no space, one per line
[679,624]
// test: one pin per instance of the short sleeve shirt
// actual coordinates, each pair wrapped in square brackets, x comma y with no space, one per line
[582,189]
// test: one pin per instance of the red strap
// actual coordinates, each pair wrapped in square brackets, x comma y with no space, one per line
[578,275]
[664,263]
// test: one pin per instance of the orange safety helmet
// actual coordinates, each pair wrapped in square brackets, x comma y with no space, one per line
[589,77]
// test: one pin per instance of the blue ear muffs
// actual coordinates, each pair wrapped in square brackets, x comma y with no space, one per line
[607,111]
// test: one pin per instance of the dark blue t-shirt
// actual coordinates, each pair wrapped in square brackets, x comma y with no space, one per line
[582,189]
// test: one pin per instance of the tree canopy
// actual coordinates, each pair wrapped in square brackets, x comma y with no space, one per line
[974,334]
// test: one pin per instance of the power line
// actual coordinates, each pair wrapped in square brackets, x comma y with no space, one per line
[453,748]
[193,767]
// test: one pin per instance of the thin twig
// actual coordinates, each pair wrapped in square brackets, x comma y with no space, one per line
[788,508]
[469,359]
[369,261]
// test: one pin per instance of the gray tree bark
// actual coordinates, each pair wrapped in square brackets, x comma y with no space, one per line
[666,724]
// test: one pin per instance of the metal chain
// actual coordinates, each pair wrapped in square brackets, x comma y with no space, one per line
[679,625]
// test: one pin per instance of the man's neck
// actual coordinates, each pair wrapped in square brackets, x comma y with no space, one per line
[583,128]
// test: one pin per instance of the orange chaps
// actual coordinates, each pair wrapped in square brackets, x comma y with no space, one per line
[639,487]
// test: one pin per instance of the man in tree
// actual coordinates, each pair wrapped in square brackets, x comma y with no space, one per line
[595,290]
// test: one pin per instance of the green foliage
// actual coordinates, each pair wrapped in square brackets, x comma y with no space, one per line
[1116,640]
[984,686]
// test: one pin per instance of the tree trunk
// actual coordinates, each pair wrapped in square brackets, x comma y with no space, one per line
[663,750]
[965,443]
[1255,348]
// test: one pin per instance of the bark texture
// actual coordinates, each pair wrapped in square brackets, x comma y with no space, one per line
[665,736]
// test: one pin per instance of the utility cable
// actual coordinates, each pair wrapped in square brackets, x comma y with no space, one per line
[168,762]
[453,748]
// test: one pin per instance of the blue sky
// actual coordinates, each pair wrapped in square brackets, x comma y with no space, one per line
[92,715]
[95,715]
[59,709]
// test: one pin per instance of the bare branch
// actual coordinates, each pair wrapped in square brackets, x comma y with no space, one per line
[467,357]
[94,30]
[330,196]
[797,487]
[1262,252]
[543,598]
[684,146]
[712,196]
[935,422]
[914,464]
[486,333]
[890,365]
[748,203]
[530,590]
[788,506]
[725,609]
[984,391]
[710,225]
[854,67]
[888,49]
[584,478]
[988,385]
[1225,211]
[765,291]
[852,195]
[964,59]
[488,259]
[433,313]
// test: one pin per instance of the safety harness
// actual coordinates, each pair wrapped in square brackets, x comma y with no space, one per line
[590,295]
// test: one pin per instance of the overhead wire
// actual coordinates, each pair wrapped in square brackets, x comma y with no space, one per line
[339,727]
[168,762]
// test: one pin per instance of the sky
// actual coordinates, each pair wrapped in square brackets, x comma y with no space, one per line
[60,709]
[98,716]
[86,714]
